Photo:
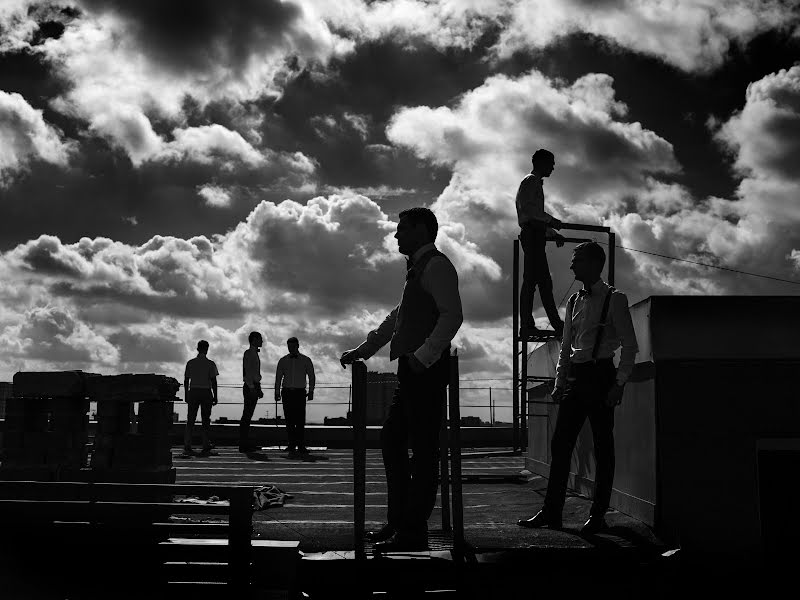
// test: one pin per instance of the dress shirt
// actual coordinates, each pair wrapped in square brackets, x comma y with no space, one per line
[251,367]
[530,201]
[440,280]
[292,371]
[201,372]
[580,331]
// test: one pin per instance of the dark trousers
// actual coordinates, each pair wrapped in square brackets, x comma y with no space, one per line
[250,397]
[199,398]
[587,389]
[536,272]
[414,421]
[294,410]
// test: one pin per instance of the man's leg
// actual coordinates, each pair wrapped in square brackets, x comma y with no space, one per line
[601,418]
[191,416]
[529,277]
[426,421]
[288,415]
[545,283]
[250,399]
[205,416]
[300,420]
[394,447]
[571,416]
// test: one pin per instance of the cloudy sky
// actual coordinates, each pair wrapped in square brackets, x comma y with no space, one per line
[177,170]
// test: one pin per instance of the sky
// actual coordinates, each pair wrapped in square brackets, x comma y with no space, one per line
[180,170]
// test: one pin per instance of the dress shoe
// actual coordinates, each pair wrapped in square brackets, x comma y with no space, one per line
[541,519]
[594,525]
[402,543]
[381,535]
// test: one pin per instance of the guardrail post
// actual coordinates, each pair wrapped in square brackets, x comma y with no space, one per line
[240,527]
[359,416]
[515,351]
[455,456]
[444,454]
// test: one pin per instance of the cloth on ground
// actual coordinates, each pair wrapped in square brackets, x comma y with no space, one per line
[269,495]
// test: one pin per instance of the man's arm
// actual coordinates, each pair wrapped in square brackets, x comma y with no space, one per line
[312,378]
[186,383]
[250,369]
[376,339]
[280,372]
[440,280]
[566,347]
[621,317]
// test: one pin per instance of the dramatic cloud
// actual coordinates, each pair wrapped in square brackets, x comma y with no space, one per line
[25,137]
[692,35]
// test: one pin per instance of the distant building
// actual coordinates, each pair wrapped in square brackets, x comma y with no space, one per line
[337,420]
[223,420]
[380,391]
[270,420]
[472,422]
[6,391]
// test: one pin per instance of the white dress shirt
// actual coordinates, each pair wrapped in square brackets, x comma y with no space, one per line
[440,280]
[530,201]
[580,332]
[292,372]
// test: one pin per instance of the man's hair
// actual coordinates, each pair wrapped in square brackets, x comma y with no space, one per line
[293,340]
[541,156]
[202,346]
[593,251]
[421,215]
[254,335]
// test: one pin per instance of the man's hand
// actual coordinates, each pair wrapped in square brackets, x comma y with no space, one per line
[557,394]
[615,395]
[310,395]
[277,396]
[416,366]
[559,240]
[555,223]
[214,401]
[259,393]
[349,357]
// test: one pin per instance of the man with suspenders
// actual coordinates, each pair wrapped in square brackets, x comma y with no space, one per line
[597,322]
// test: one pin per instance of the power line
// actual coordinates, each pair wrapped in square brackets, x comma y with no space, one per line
[702,264]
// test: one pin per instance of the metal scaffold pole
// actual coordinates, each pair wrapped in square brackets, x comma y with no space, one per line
[359,417]
[459,544]
[515,351]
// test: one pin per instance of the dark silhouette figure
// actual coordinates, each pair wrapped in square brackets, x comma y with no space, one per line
[290,387]
[419,331]
[535,224]
[251,389]
[200,389]
[598,321]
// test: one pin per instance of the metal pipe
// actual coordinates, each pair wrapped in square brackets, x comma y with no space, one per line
[359,416]
[455,457]
[515,350]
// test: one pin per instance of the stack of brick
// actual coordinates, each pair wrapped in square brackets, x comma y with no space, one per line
[46,425]
[130,448]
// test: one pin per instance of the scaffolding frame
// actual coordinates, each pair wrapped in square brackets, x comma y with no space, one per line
[520,345]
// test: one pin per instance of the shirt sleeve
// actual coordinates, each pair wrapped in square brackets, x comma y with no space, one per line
[530,202]
[378,338]
[623,324]
[280,371]
[566,346]
[312,379]
[214,370]
[252,374]
[440,280]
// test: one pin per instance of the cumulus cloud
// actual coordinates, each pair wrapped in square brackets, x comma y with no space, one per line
[26,137]
[215,196]
[692,35]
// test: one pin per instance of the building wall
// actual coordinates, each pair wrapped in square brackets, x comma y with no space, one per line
[715,381]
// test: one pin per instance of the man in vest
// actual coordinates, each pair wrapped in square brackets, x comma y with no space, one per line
[200,388]
[419,330]
[290,386]
[597,322]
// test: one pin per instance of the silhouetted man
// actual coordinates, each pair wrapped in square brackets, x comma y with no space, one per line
[598,321]
[251,389]
[419,330]
[200,389]
[535,224]
[290,386]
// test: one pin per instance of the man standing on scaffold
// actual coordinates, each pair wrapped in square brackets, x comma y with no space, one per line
[535,224]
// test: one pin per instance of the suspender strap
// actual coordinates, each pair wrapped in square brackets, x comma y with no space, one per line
[602,325]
